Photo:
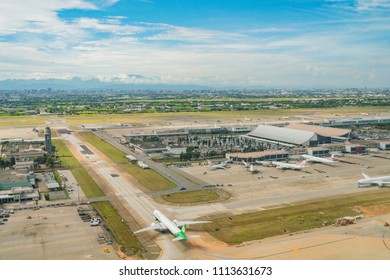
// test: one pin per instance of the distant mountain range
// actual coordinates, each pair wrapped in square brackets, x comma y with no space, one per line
[93,84]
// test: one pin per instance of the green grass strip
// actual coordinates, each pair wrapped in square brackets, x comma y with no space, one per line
[253,226]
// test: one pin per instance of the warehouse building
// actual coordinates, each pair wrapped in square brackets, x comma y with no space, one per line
[283,136]
[148,147]
[384,145]
[318,151]
[17,187]
[355,148]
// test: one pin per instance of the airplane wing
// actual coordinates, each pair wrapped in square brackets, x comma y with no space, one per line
[380,183]
[151,227]
[182,223]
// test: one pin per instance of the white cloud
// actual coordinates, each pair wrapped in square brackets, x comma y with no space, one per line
[38,16]
[110,25]
[367,5]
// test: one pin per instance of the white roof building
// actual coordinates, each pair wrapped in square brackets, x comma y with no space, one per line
[283,136]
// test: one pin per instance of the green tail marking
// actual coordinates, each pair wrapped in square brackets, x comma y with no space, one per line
[181,234]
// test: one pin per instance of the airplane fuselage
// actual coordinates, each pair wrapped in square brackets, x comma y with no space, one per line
[377,181]
[317,159]
[287,166]
[174,229]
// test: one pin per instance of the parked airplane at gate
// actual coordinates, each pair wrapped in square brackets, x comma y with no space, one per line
[173,226]
[221,165]
[319,159]
[253,169]
[373,181]
[250,167]
[264,162]
[293,166]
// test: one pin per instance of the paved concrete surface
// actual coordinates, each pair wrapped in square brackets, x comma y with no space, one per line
[51,234]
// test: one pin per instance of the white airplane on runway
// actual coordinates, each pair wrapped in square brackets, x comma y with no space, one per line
[373,181]
[319,159]
[172,226]
[293,166]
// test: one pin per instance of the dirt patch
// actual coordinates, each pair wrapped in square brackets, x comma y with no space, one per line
[375,210]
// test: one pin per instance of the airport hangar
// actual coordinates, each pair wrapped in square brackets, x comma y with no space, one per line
[298,135]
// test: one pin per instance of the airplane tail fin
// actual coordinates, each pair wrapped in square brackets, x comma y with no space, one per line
[365,176]
[183,236]
[187,237]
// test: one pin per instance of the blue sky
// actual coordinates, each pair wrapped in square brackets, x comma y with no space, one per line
[219,43]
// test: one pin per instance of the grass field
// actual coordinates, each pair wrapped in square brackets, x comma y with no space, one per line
[66,157]
[22,120]
[161,117]
[191,197]
[121,231]
[148,178]
[258,225]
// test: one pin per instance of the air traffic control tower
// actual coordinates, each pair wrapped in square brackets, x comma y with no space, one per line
[48,145]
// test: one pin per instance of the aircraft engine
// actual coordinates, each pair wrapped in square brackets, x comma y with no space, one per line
[160,227]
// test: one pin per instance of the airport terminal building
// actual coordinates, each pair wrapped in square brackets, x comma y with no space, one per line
[283,136]
[298,135]
[325,134]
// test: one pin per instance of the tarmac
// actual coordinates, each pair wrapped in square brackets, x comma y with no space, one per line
[52,233]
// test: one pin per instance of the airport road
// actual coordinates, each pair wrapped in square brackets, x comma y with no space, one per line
[179,180]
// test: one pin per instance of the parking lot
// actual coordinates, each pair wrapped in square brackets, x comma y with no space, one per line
[52,233]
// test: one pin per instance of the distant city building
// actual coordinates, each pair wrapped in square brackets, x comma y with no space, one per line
[48,144]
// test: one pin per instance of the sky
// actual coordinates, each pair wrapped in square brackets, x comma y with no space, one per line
[216,43]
